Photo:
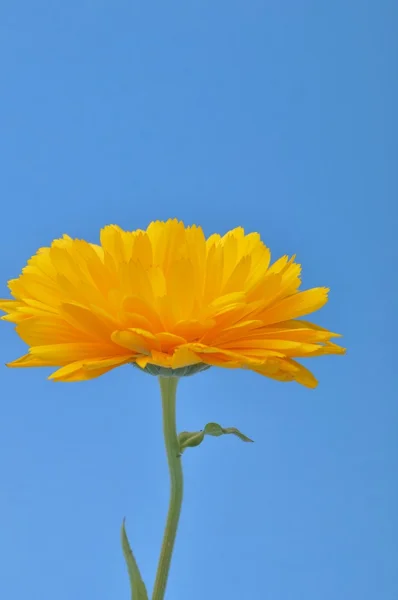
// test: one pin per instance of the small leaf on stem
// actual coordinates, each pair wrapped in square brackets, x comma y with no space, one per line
[138,589]
[189,439]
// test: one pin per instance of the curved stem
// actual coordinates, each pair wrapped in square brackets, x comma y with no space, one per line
[168,386]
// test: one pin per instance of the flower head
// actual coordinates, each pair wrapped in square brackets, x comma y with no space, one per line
[168,298]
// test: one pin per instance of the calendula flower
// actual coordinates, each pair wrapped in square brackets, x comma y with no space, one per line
[171,303]
[165,298]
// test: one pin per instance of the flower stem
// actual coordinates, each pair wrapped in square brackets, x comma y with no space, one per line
[168,386]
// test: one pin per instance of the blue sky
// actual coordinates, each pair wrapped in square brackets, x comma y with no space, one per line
[277,116]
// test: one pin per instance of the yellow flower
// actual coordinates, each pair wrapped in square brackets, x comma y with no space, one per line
[166,297]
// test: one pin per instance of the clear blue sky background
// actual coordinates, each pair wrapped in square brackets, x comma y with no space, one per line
[277,116]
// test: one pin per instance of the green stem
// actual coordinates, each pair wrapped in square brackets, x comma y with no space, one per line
[168,386]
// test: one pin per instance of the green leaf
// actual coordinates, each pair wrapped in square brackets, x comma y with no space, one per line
[138,589]
[189,439]
[216,430]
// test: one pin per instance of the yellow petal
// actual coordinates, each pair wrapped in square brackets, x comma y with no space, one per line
[242,329]
[40,331]
[166,239]
[287,347]
[169,341]
[84,370]
[237,279]
[135,305]
[180,289]
[227,300]
[297,331]
[192,329]
[62,354]
[9,306]
[142,250]
[184,357]
[142,361]
[136,340]
[206,353]
[85,320]
[15,317]
[157,281]
[290,371]
[294,306]
[27,360]
[111,241]
[40,290]
[161,359]
[230,250]
[213,271]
